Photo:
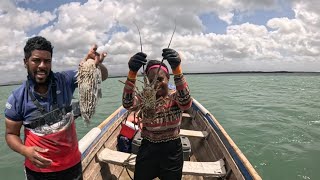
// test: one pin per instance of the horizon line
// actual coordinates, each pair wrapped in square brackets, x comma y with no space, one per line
[11,83]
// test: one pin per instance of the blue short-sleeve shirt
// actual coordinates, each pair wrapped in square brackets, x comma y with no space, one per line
[20,107]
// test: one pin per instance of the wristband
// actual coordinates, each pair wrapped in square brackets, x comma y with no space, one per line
[132,75]
[177,70]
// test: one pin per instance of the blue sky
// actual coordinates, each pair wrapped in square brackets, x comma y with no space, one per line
[211,36]
[259,17]
[44,5]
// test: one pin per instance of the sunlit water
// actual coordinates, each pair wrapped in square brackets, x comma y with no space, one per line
[273,118]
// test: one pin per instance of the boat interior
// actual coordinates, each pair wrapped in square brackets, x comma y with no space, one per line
[205,155]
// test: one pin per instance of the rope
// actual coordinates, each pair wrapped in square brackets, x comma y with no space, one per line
[126,164]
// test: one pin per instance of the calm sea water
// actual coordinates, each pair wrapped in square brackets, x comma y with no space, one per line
[273,118]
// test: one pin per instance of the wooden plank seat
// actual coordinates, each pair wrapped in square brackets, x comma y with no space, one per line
[118,158]
[186,115]
[192,133]
[211,169]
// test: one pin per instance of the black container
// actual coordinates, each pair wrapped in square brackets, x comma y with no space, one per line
[136,142]
[186,147]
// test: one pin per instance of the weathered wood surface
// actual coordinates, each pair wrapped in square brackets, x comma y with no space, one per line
[192,133]
[213,169]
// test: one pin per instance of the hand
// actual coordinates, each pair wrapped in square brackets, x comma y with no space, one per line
[172,57]
[32,153]
[93,54]
[137,61]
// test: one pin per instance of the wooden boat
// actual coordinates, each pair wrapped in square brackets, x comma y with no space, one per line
[213,153]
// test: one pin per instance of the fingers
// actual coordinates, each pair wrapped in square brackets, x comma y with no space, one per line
[40,161]
[168,53]
[168,50]
[81,62]
[102,56]
[137,60]
[140,57]
[172,57]
[39,149]
[43,160]
[94,48]
[141,54]
[93,54]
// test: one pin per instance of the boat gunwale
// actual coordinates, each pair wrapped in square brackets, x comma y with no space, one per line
[104,126]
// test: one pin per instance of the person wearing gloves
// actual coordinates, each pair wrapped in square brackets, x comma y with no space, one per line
[160,154]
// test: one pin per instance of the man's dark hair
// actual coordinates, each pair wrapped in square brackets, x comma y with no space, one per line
[156,62]
[37,43]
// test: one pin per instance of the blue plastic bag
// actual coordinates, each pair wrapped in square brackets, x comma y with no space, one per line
[124,144]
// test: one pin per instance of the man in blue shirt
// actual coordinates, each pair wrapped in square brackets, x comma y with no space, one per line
[42,105]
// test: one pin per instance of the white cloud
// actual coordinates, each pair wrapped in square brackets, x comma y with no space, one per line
[281,44]
[308,13]
[14,24]
[20,19]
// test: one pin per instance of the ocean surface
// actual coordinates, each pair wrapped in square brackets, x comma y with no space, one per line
[273,118]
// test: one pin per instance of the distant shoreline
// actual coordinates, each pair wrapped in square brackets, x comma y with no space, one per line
[235,72]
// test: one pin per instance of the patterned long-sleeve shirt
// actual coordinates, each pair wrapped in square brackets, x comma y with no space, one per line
[166,125]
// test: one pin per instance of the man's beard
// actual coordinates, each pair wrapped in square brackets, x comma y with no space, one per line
[39,82]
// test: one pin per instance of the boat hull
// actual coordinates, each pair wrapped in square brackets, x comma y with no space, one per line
[216,145]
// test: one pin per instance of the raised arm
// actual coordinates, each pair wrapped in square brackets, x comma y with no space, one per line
[128,96]
[183,97]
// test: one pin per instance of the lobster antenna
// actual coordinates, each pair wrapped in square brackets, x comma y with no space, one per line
[139,34]
[175,26]
[140,40]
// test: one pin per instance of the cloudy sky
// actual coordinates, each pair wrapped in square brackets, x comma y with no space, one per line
[211,35]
